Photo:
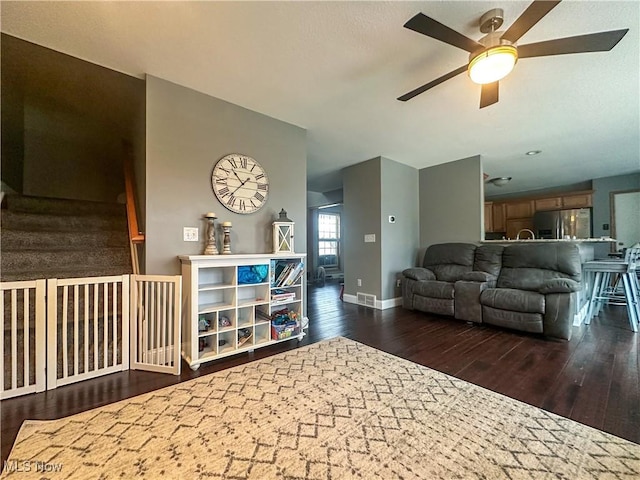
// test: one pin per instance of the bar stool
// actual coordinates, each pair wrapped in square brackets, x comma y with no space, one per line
[625,289]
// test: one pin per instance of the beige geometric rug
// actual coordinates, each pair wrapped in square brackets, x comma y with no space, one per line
[336,409]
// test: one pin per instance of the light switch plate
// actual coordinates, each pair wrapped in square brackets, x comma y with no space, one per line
[370,237]
[190,234]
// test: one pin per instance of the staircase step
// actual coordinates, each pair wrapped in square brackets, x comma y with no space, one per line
[13,261]
[61,206]
[50,240]
[59,238]
[74,272]
[66,223]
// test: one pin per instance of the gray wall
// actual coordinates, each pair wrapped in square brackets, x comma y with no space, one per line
[317,199]
[82,157]
[451,202]
[399,240]
[361,214]
[64,121]
[373,190]
[187,132]
[602,205]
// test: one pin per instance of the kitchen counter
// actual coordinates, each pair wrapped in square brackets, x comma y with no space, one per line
[544,240]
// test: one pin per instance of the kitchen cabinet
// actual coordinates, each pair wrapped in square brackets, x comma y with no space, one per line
[551,203]
[519,209]
[488,217]
[512,215]
[514,225]
[498,217]
[494,217]
[583,200]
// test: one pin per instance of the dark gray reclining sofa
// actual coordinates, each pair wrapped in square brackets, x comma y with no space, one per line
[525,286]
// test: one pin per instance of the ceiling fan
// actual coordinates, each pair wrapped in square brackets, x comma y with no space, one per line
[493,56]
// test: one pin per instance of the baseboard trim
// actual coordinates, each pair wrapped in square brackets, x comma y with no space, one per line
[581,316]
[389,303]
[380,304]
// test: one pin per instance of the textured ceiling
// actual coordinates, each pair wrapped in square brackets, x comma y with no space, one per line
[336,69]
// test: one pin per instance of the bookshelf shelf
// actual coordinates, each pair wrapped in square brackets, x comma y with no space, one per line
[235,315]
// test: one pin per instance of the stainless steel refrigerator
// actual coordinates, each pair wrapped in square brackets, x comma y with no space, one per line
[574,223]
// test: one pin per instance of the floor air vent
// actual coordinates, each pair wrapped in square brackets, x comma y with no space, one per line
[366,299]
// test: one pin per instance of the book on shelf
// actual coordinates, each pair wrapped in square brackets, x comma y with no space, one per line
[279,295]
[281,271]
[286,273]
[283,298]
[294,275]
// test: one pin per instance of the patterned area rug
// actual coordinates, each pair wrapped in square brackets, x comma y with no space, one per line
[336,409]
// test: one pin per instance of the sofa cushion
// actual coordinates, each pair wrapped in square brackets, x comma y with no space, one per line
[449,261]
[514,300]
[560,285]
[525,322]
[478,277]
[526,278]
[419,273]
[488,258]
[440,306]
[434,289]
[530,266]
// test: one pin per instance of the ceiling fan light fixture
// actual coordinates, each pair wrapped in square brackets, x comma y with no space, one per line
[499,181]
[492,64]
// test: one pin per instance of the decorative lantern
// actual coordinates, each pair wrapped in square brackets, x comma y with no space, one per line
[283,234]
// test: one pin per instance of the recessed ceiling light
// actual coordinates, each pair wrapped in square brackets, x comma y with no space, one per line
[534,152]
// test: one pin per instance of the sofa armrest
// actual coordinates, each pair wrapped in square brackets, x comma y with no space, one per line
[419,273]
[478,277]
[560,285]
[558,315]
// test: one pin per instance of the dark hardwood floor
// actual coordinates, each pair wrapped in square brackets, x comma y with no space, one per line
[593,379]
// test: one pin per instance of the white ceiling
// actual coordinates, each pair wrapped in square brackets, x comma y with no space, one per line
[336,69]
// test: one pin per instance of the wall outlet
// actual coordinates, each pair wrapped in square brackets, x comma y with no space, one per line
[359,282]
[398,282]
[190,234]
[392,219]
[370,237]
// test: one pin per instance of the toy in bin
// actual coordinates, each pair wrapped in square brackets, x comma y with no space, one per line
[284,324]
[203,323]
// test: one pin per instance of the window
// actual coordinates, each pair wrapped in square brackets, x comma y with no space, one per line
[328,239]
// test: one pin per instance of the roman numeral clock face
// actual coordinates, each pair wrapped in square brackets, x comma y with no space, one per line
[240,183]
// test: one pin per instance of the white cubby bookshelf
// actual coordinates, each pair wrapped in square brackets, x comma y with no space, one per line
[236,315]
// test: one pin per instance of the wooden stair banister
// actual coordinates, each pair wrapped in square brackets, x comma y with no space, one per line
[136,237]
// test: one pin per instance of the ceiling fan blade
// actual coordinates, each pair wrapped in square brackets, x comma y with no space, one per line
[489,94]
[433,83]
[532,15]
[428,26]
[593,42]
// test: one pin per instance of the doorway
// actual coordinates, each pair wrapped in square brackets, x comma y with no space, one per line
[325,257]
[625,218]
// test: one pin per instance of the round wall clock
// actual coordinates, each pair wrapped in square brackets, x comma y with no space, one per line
[240,183]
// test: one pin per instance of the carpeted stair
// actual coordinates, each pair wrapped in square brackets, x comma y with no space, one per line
[58,238]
